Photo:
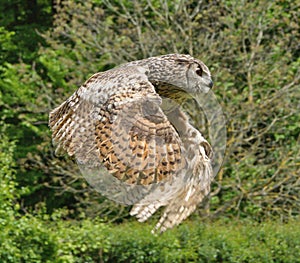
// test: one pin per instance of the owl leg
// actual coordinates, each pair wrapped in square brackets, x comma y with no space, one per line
[172,216]
[197,186]
[185,203]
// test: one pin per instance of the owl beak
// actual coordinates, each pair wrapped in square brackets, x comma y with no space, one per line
[211,84]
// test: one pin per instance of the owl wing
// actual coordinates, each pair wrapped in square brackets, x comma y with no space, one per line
[191,184]
[115,120]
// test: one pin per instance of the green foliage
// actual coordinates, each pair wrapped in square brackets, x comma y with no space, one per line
[217,242]
[84,242]
[40,240]
[7,174]
[6,44]
[23,19]
[252,50]
[26,239]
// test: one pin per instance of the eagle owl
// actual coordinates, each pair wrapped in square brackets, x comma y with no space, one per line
[132,139]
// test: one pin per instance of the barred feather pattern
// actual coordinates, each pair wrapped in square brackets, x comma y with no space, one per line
[132,146]
[190,186]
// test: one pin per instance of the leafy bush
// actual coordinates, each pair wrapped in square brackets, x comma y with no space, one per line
[42,240]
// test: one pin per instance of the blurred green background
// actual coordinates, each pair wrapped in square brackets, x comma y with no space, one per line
[48,213]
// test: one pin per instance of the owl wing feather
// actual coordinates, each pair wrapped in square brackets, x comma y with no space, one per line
[190,186]
[127,131]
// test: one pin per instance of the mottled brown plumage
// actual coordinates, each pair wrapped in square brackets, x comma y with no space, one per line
[128,146]
[128,121]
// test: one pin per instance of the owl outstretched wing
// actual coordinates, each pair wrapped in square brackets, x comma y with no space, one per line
[127,133]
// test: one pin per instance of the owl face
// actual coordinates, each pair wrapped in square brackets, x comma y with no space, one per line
[182,71]
[198,77]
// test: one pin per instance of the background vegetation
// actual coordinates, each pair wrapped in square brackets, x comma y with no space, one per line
[48,213]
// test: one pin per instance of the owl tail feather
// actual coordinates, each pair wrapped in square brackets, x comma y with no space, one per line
[143,212]
[186,202]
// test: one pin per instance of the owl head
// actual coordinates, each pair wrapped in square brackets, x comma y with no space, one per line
[183,71]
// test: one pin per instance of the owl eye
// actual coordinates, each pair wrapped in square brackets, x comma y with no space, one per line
[199,71]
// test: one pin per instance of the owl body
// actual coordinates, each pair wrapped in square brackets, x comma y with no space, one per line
[131,146]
